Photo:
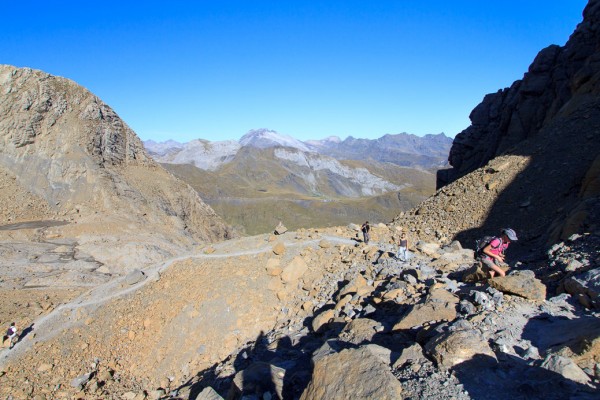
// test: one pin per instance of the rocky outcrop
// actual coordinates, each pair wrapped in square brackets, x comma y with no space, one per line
[506,118]
[81,162]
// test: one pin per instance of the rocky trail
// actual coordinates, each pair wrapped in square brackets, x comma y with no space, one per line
[54,322]
[318,314]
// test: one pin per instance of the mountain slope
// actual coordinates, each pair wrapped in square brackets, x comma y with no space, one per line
[402,149]
[260,187]
[84,164]
[277,177]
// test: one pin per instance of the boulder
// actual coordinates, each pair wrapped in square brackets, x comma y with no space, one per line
[294,270]
[325,244]
[586,286]
[566,367]
[323,318]
[280,229]
[520,283]
[352,374]
[258,378]
[134,277]
[452,348]
[439,305]
[273,267]
[412,353]
[209,394]
[429,249]
[279,248]
[359,330]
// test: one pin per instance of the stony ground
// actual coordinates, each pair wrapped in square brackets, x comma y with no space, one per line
[223,314]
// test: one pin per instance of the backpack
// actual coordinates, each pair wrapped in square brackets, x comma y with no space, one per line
[11,331]
[481,243]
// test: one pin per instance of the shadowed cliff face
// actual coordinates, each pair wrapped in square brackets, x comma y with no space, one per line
[505,119]
[547,127]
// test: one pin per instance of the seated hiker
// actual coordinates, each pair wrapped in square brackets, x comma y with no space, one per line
[492,251]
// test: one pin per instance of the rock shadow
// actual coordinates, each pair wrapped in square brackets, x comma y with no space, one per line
[513,378]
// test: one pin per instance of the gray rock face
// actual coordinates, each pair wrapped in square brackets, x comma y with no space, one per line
[259,378]
[208,394]
[566,367]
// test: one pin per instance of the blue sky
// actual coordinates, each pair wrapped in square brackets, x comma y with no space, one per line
[310,69]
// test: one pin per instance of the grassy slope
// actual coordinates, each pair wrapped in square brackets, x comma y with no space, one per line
[254,192]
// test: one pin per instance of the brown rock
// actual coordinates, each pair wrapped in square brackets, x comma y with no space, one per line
[520,283]
[359,330]
[294,270]
[439,305]
[323,318]
[324,244]
[274,267]
[413,353]
[352,374]
[279,248]
[452,348]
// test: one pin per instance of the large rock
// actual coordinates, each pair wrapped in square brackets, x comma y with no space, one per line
[209,394]
[566,367]
[294,270]
[586,286]
[514,114]
[452,348]
[439,305]
[352,374]
[258,378]
[520,283]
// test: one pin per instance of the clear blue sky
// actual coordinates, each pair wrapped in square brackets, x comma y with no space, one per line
[216,69]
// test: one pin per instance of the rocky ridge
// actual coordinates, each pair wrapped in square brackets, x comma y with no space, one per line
[81,163]
[557,78]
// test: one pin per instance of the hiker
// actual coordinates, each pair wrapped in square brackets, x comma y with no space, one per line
[492,254]
[365,228]
[12,335]
[403,253]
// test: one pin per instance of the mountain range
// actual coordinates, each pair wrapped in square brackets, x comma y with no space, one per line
[427,152]
[315,183]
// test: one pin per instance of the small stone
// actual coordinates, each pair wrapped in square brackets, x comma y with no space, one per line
[45,367]
[279,248]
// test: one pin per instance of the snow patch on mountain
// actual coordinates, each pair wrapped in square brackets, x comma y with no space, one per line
[206,155]
[369,184]
[163,148]
[265,138]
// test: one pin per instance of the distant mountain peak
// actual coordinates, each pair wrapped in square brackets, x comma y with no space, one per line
[265,138]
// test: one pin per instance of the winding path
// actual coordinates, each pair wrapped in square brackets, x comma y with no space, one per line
[64,316]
